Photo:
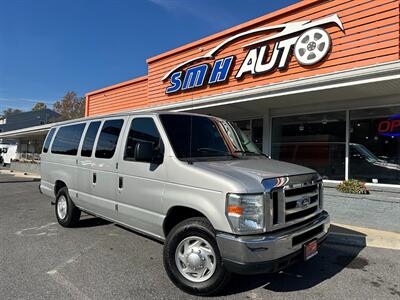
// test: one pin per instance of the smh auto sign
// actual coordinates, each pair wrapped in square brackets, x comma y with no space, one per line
[307,40]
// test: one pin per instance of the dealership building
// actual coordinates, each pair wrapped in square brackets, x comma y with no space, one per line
[316,83]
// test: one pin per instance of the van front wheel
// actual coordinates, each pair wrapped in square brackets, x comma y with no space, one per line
[67,213]
[192,259]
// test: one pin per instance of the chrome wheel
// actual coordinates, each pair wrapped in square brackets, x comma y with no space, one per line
[62,207]
[195,259]
[312,46]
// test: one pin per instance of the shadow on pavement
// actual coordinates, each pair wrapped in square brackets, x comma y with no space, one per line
[90,221]
[335,255]
[140,234]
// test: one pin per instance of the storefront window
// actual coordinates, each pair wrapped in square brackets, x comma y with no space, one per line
[374,150]
[316,141]
[253,129]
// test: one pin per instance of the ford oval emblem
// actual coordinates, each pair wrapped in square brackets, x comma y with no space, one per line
[303,202]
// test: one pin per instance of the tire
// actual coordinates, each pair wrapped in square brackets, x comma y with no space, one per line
[66,212]
[196,233]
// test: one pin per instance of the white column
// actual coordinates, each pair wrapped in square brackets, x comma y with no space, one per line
[266,133]
[346,162]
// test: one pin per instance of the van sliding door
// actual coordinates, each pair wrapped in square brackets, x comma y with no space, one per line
[103,175]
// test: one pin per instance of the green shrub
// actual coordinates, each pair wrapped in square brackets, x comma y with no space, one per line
[352,186]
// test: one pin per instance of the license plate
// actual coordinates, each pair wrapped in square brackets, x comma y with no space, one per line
[310,249]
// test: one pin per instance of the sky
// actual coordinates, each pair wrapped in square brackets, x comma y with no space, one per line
[50,47]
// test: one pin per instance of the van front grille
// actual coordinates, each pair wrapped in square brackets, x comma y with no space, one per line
[300,191]
[296,201]
[301,214]
[275,208]
[293,204]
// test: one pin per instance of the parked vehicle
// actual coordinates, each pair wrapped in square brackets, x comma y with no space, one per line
[8,152]
[195,182]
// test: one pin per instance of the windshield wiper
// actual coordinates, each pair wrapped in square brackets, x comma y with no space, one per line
[205,149]
[247,152]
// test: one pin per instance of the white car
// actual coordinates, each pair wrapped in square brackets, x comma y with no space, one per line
[8,152]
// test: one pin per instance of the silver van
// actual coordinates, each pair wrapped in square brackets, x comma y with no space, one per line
[195,182]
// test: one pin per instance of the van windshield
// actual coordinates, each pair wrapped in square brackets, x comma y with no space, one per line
[240,141]
[196,137]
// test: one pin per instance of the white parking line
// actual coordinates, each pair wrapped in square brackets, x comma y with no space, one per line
[71,289]
[37,231]
[72,259]
[56,275]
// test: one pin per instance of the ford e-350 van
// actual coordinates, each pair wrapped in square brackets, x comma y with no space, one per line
[195,182]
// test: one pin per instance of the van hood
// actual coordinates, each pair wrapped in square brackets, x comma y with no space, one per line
[248,170]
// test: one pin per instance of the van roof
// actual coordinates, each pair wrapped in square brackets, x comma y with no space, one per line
[124,114]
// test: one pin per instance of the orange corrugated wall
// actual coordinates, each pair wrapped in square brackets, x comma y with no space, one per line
[371,36]
[127,95]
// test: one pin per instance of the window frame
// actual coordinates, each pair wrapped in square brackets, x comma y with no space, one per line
[198,158]
[49,139]
[161,142]
[80,140]
[95,138]
[121,133]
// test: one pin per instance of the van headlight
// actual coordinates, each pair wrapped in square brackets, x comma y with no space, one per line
[245,212]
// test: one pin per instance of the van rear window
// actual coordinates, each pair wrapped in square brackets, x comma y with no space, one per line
[108,138]
[48,140]
[67,139]
[90,136]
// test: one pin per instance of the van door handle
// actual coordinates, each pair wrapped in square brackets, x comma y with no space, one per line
[120,183]
[94,178]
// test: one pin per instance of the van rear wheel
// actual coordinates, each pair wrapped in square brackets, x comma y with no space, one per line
[192,259]
[66,212]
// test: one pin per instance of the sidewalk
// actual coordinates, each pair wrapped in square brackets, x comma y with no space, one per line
[380,210]
[7,171]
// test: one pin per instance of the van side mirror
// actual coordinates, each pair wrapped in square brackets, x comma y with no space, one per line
[144,151]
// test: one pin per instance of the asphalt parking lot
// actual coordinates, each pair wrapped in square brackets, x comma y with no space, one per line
[99,260]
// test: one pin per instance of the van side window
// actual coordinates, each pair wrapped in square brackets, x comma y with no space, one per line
[67,139]
[88,142]
[108,138]
[49,137]
[142,130]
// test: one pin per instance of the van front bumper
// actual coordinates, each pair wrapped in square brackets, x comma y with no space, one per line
[270,252]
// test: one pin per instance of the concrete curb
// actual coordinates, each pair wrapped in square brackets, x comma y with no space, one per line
[362,237]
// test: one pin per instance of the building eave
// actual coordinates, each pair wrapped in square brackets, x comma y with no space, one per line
[356,76]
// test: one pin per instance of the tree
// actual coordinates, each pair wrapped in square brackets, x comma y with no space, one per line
[10,111]
[39,106]
[70,107]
